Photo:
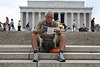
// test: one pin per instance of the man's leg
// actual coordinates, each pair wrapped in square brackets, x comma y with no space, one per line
[61,41]
[35,41]
[73,28]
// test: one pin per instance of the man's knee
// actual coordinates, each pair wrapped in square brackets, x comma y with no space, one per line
[62,36]
[34,36]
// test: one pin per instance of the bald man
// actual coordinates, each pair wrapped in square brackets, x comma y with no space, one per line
[39,31]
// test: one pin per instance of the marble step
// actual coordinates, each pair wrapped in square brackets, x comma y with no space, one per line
[28,48]
[17,63]
[50,56]
[50,63]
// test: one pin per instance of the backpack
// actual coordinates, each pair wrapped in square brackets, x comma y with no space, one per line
[48,44]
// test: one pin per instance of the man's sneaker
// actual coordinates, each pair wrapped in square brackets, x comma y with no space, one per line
[61,58]
[36,57]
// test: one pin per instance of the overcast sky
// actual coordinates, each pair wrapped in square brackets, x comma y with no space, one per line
[11,9]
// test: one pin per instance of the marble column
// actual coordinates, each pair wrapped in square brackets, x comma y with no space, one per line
[78,20]
[27,18]
[71,20]
[59,16]
[90,14]
[39,16]
[85,19]
[33,20]
[21,19]
[45,13]
[65,19]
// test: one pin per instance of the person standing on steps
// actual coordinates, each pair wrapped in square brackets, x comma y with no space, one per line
[19,26]
[92,25]
[74,24]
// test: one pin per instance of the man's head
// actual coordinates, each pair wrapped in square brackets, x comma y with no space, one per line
[7,18]
[49,17]
[93,18]
[11,19]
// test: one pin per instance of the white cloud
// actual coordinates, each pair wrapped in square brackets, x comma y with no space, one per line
[96,11]
[10,13]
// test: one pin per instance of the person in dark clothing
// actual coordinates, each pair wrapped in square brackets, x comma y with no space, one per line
[92,25]
[28,27]
[64,26]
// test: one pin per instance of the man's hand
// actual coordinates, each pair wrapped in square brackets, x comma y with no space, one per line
[57,31]
[40,31]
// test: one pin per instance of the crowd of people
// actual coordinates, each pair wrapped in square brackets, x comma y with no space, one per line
[7,25]
[83,28]
[94,27]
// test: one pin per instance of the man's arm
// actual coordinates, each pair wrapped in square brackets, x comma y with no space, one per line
[40,31]
[58,31]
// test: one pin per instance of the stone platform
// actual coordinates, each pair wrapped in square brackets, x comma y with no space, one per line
[82,50]
[72,38]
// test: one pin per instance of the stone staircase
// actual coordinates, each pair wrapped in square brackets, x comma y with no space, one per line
[77,55]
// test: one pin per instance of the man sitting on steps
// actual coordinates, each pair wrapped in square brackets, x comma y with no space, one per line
[47,37]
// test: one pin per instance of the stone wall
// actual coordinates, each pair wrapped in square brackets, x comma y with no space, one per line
[72,38]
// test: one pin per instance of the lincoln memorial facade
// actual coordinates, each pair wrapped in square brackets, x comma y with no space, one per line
[66,11]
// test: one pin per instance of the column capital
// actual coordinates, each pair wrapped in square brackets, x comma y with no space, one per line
[26,12]
[59,12]
[66,12]
[90,13]
[33,12]
[39,12]
[78,12]
[21,12]
[72,12]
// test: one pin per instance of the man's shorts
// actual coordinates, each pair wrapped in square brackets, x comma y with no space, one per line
[54,40]
[0,28]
